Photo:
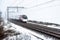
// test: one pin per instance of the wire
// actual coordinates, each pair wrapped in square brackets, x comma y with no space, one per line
[50,6]
[41,4]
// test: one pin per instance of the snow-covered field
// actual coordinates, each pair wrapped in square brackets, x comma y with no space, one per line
[26,34]
[51,26]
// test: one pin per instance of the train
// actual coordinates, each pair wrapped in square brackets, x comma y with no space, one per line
[23,18]
[20,18]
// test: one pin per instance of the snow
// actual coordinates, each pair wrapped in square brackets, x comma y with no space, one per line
[48,12]
[24,33]
[51,26]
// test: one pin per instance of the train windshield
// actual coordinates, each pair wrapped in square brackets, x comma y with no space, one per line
[24,16]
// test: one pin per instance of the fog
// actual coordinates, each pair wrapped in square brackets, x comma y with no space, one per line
[39,10]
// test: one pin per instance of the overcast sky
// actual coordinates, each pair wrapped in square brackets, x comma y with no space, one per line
[40,10]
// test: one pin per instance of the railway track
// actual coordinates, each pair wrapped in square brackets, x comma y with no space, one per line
[51,31]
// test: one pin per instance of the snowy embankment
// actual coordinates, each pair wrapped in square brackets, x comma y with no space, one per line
[25,34]
[51,26]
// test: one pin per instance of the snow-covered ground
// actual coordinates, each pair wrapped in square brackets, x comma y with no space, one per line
[26,33]
[51,26]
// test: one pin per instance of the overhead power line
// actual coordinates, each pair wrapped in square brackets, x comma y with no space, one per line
[51,6]
[41,4]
